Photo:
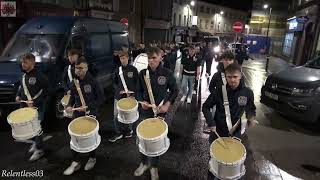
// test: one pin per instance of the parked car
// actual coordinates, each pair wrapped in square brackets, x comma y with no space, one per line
[49,39]
[295,92]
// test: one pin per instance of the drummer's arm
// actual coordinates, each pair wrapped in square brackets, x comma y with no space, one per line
[207,106]
[18,95]
[250,110]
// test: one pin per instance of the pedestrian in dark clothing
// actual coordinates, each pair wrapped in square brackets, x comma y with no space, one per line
[241,54]
[209,55]
[69,72]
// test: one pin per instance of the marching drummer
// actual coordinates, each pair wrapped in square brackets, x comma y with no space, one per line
[68,73]
[161,80]
[131,78]
[93,98]
[240,98]
[33,91]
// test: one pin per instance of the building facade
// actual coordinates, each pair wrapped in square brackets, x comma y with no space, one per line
[302,41]
[205,18]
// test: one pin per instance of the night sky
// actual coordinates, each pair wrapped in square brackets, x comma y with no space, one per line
[236,4]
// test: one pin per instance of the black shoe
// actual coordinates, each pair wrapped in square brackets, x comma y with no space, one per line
[128,135]
[115,138]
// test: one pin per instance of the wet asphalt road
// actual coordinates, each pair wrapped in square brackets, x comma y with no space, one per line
[277,148]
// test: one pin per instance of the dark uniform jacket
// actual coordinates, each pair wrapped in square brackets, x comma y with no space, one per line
[92,93]
[190,64]
[131,76]
[65,78]
[35,81]
[161,81]
[240,100]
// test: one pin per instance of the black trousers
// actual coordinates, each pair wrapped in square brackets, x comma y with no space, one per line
[76,157]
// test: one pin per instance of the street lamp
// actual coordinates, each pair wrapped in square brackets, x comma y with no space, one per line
[221,12]
[266,6]
[192,3]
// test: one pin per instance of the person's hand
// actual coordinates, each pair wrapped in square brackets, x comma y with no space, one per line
[163,108]
[69,109]
[145,105]
[252,123]
[122,92]
[30,103]
[18,99]
[82,109]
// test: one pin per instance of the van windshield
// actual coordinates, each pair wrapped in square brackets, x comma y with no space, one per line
[43,46]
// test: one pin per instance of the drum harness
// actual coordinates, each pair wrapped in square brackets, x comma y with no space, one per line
[123,81]
[27,93]
[226,106]
[70,74]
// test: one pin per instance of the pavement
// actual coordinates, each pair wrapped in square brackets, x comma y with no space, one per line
[278,148]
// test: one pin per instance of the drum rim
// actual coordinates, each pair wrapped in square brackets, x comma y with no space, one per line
[25,122]
[156,154]
[240,161]
[234,177]
[165,133]
[126,110]
[124,122]
[72,146]
[87,134]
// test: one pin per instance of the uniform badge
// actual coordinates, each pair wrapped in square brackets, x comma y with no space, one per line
[130,74]
[162,80]
[87,88]
[32,80]
[242,100]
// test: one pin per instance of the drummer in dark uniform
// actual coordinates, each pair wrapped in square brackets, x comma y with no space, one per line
[162,81]
[131,78]
[69,73]
[241,99]
[93,97]
[33,90]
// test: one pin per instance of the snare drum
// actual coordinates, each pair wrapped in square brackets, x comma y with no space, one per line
[84,134]
[227,162]
[152,137]
[24,123]
[127,110]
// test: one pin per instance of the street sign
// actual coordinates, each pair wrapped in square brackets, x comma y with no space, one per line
[237,27]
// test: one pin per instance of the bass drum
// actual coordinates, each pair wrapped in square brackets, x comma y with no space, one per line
[141,62]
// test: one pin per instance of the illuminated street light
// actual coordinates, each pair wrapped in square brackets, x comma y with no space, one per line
[192,3]
[265,6]
[221,12]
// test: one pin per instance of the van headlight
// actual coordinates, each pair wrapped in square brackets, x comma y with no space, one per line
[216,49]
[298,91]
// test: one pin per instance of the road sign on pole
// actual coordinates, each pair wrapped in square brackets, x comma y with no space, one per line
[237,27]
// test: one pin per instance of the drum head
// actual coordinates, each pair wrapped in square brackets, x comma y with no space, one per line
[141,62]
[83,125]
[22,115]
[232,153]
[127,103]
[152,128]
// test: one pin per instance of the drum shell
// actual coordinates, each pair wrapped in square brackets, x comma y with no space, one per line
[128,116]
[86,142]
[227,171]
[153,147]
[25,130]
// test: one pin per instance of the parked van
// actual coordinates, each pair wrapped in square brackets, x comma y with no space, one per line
[49,39]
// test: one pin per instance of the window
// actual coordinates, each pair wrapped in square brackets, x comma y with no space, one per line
[179,19]
[184,20]
[287,46]
[225,27]
[174,19]
[200,23]
[201,9]
[208,10]
[98,45]
[207,22]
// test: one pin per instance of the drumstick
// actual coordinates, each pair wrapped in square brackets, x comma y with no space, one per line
[76,82]
[147,104]
[224,144]
[79,108]
[147,81]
